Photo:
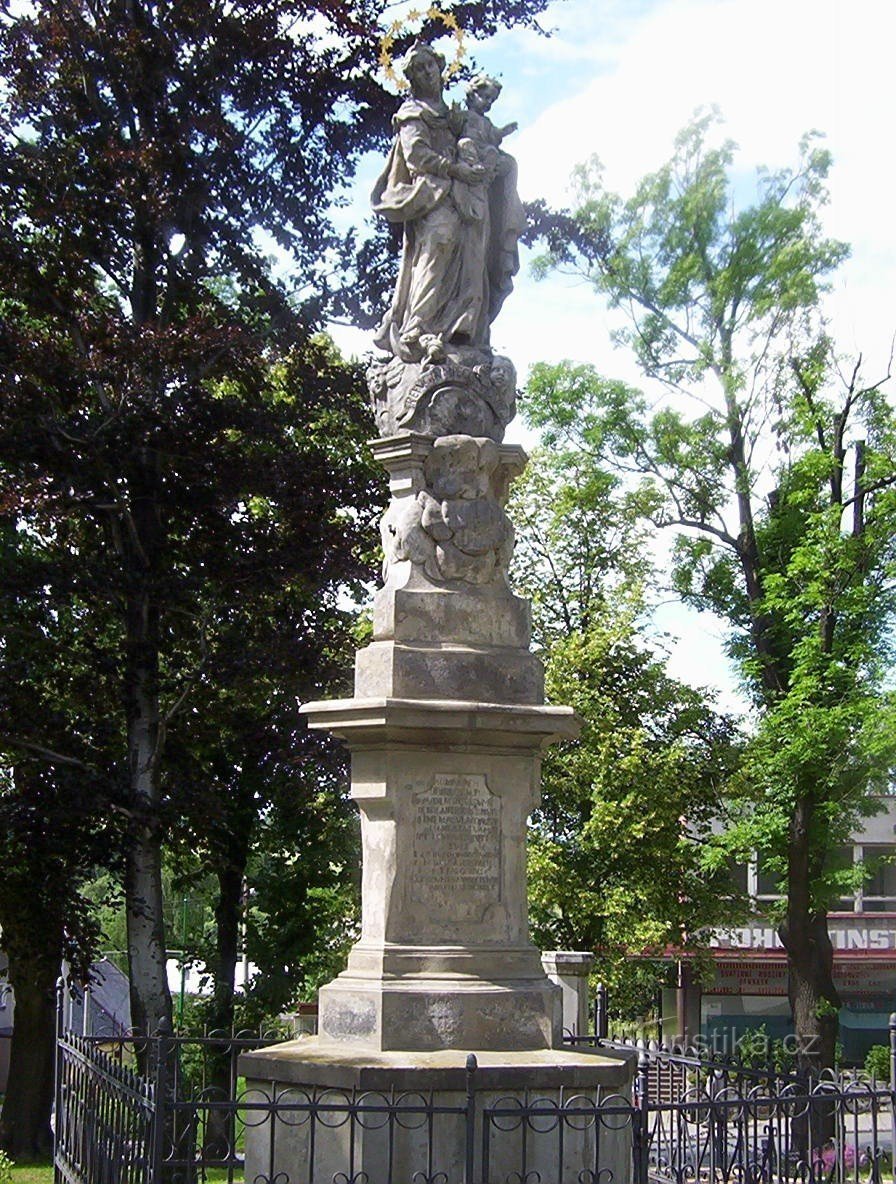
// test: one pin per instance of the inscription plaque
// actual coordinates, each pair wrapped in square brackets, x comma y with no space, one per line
[457,846]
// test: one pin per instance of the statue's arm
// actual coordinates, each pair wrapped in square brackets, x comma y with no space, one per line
[421,158]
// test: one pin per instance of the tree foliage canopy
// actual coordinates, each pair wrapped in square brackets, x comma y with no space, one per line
[775,462]
[611,868]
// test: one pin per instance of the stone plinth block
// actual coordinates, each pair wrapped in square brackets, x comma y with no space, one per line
[439,1011]
[569,969]
[445,671]
[558,1116]
[444,959]
[466,616]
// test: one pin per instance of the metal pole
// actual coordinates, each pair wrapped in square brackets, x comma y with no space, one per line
[659,1015]
[641,1127]
[163,1116]
[470,1159]
[601,1025]
[893,1095]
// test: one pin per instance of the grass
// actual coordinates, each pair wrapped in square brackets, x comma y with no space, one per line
[33,1173]
[42,1173]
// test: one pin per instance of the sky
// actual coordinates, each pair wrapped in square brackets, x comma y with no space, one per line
[619,78]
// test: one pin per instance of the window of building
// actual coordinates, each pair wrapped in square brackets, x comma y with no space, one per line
[767,882]
[879,891]
[844,858]
[738,874]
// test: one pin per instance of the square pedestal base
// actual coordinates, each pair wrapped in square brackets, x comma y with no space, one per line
[441,1013]
[328,1113]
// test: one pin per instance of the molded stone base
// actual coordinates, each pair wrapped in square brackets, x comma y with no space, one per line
[439,1013]
[402,1142]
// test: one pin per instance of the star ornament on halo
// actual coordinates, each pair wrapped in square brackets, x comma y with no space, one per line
[433,13]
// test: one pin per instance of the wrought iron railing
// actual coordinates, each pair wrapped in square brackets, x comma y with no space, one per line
[107,1119]
[189,1117]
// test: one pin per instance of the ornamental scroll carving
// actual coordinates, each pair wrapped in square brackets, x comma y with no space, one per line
[455,527]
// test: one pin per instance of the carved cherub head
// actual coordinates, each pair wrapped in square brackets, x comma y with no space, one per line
[482,93]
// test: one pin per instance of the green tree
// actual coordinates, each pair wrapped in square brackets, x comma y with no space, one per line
[610,868]
[776,469]
[171,425]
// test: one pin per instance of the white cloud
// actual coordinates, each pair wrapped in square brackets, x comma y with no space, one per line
[776,71]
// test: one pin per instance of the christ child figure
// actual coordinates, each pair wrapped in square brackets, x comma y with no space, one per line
[481,95]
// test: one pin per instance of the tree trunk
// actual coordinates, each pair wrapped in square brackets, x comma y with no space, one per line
[813,997]
[219,1133]
[147,953]
[25,1118]
[147,956]
[814,1001]
[144,901]
[810,955]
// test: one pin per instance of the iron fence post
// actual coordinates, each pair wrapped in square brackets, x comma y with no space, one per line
[57,1067]
[601,1026]
[470,1132]
[640,1130]
[163,1041]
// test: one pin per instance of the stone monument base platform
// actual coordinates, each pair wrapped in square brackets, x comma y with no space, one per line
[327,1111]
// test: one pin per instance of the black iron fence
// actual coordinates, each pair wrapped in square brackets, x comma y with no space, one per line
[188,1116]
[108,1127]
[115,1125]
[726,1121]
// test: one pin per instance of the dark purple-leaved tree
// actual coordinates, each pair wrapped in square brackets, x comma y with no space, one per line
[176,442]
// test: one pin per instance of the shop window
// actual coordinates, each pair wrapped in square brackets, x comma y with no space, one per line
[767,882]
[879,891]
[738,875]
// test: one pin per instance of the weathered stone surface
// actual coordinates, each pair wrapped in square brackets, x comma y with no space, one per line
[312,1061]
[469,391]
[431,1014]
[300,1071]
[569,969]
[377,723]
[505,675]
[444,957]
[461,616]
[453,189]
[451,524]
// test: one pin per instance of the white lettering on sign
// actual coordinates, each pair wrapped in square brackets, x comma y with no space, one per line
[843,938]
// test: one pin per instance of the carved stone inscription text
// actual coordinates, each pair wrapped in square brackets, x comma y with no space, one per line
[457,847]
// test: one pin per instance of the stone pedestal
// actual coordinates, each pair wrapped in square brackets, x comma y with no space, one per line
[444,960]
[445,730]
[553,1115]
[569,969]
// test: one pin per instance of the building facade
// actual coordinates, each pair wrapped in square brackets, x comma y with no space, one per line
[749,988]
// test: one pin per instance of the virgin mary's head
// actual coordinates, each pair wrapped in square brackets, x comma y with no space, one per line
[423,69]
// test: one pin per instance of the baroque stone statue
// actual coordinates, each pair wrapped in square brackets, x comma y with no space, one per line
[452,188]
[447,723]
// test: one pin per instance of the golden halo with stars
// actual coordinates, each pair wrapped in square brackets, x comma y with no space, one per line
[433,13]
